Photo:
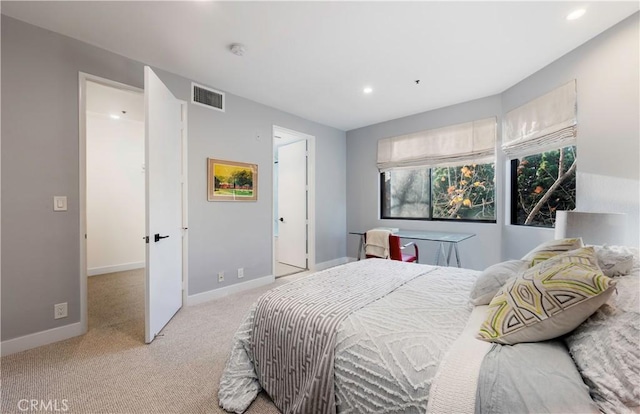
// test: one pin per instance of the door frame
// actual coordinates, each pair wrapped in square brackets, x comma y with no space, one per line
[311,196]
[82,190]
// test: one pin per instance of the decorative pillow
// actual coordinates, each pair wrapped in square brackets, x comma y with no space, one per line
[615,260]
[551,248]
[606,349]
[493,278]
[547,300]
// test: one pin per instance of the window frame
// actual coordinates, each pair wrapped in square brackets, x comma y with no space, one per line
[431,218]
[513,206]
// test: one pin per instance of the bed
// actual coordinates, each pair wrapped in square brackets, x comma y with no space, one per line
[381,336]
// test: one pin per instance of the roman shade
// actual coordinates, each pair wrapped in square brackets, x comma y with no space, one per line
[546,123]
[469,143]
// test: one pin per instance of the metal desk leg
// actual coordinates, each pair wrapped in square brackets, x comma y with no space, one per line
[455,245]
[440,252]
[360,246]
[449,254]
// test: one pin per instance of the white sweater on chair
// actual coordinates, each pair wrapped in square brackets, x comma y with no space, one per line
[377,243]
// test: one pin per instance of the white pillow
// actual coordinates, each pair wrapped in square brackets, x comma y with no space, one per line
[615,260]
[606,349]
[492,279]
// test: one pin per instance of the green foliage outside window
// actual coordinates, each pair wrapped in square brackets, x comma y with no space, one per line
[543,183]
[465,192]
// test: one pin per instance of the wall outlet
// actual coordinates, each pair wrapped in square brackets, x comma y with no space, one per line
[240,272]
[220,276]
[60,310]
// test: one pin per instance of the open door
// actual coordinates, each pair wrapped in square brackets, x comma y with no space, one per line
[292,204]
[163,159]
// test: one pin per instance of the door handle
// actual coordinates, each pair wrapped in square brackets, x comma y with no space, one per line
[157,237]
[282,219]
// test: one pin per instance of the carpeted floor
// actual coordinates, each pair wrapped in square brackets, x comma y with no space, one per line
[111,370]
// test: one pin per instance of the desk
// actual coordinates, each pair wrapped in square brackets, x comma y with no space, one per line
[452,239]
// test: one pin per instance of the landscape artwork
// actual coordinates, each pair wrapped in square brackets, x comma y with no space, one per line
[231,181]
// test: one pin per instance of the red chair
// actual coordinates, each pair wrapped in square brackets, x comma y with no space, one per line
[396,248]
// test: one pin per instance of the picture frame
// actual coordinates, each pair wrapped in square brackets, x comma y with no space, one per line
[231,180]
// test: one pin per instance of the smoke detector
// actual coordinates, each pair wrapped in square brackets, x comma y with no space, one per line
[238,49]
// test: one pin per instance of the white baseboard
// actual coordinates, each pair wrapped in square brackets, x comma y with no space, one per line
[22,343]
[228,290]
[94,271]
[332,263]
[251,284]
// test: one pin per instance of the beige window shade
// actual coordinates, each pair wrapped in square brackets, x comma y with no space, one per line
[546,123]
[471,142]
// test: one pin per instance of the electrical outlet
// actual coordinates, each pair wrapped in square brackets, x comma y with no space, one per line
[220,276]
[240,272]
[60,310]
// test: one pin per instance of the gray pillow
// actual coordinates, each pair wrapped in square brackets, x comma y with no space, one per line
[493,278]
[606,352]
[535,377]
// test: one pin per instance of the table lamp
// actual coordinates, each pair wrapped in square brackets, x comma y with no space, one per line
[594,228]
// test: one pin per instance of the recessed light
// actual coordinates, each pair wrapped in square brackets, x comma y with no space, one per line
[576,14]
[114,116]
[367,90]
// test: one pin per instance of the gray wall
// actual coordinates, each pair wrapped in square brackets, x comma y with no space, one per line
[606,69]
[40,248]
[363,184]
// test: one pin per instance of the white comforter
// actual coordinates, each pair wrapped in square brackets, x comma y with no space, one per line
[386,353]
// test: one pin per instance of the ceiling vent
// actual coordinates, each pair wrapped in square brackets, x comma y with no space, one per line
[203,96]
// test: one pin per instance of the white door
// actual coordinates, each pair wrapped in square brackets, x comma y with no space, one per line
[292,204]
[163,137]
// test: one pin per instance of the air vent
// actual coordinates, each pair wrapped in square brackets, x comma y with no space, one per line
[203,96]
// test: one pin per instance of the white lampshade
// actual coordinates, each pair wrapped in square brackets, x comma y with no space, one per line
[594,228]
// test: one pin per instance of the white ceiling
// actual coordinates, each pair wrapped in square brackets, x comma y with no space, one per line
[313,59]
[107,101]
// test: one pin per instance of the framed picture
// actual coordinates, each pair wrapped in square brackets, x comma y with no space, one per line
[231,181]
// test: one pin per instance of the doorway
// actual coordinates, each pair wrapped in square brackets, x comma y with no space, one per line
[115,206]
[132,184]
[293,206]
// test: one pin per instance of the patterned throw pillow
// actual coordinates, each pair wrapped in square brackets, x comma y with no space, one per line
[547,300]
[551,248]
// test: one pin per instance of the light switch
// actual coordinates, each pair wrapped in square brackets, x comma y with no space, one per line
[60,203]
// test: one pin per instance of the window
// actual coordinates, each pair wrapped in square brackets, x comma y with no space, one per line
[439,193]
[405,193]
[464,193]
[541,184]
[418,182]
[540,138]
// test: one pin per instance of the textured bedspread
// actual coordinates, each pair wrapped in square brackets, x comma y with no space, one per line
[388,352]
[289,337]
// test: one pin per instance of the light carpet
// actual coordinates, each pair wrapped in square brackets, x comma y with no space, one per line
[111,370]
